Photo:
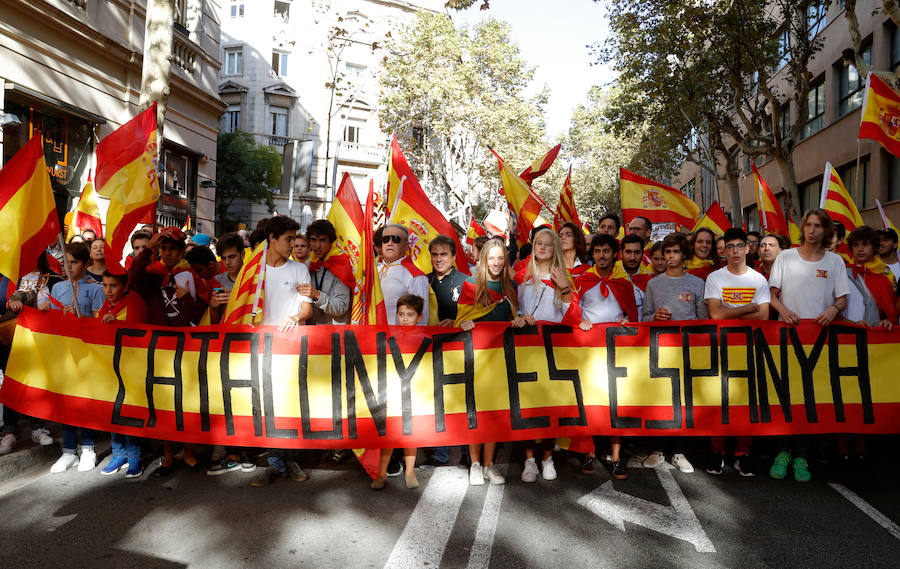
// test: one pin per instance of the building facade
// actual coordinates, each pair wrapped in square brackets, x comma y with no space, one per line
[834,105]
[302,77]
[72,70]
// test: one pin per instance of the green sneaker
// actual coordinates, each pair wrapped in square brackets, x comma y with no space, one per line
[779,467]
[801,470]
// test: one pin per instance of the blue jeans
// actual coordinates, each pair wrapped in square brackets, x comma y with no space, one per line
[124,446]
[70,439]
[440,454]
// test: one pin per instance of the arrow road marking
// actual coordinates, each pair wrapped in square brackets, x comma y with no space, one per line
[480,555]
[867,509]
[678,520]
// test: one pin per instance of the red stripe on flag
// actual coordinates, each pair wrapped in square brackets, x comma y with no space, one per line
[16,173]
[121,233]
[124,145]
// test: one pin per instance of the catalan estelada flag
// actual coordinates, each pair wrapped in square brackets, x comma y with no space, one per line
[714,219]
[27,211]
[127,176]
[408,205]
[473,232]
[565,209]
[87,214]
[655,201]
[771,216]
[880,117]
[837,202]
[247,300]
[522,203]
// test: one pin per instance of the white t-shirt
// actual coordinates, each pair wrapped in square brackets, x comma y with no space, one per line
[595,308]
[895,268]
[396,280]
[734,291]
[808,288]
[282,299]
[538,302]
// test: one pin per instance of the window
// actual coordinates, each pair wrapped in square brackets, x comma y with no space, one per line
[282,11]
[816,19]
[237,9]
[180,8]
[751,217]
[784,125]
[816,102]
[847,173]
[810,193]
[784,47]
[895,47]
[852,85]
[351,133]
[354,70]
[234,60]
[690,188]
[279,63]
[231,120]
[278,116]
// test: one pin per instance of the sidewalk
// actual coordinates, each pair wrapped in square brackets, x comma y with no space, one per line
[28,455]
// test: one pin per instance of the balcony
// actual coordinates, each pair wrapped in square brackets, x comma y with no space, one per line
[184,53]
[362,153]
[279,140]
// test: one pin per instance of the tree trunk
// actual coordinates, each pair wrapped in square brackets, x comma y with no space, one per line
[734,195]
[157,58]
[789,183]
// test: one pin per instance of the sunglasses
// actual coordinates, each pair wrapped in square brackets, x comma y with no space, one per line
[389,238]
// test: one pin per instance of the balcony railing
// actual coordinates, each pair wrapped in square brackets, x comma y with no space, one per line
[278,140]
[354,151]
[184,53]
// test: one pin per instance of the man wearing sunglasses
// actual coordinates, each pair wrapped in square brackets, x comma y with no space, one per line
[399,274]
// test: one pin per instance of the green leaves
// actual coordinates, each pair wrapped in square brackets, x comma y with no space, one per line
[245,170]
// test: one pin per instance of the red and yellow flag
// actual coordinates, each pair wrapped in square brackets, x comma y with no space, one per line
[565,210]
[126,174]
[880,117]
[771,216]
[523,206]
[655,201]
[370,298]
[837,202]
[408,205]
[714,219]
[27,211]
[540,166]
[87,214]
[796,235]
[247,300]
[473,232]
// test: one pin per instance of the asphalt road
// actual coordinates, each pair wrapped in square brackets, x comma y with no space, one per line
[656,518]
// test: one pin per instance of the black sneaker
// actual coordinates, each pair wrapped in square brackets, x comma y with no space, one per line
[223,466]
[270,475]
[715,463]
[618,470]
[587,465]
[745,465]
[394,468]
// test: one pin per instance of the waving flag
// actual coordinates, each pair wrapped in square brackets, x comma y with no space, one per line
[408,205]
[87,214]
[473,232]
[565,210]
[27,211]
[370,300]
[522,203]
[655,201]
[880,117]
[796,235]
[714,219]
[837,202]
[126,174]
[771,216]
[541,165]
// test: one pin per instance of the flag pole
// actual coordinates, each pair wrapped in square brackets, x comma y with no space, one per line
[62,246]
[259,283]
[856,181]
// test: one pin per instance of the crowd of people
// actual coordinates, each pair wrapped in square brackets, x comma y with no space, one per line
[559,276]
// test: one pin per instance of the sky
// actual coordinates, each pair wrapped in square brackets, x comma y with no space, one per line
[553,36]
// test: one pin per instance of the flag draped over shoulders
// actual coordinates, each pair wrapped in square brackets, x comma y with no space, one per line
[617,282]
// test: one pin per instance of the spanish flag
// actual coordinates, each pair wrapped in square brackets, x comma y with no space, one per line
[126,174]
[408,205]
[473,232]
[796,235]
[87,214]
[656,202]
[522,203]
[837,202]
[771,216]
[714,219]
[247,302]
[880,117]
[540,166]
[565,210]
[369,301]
[27,211]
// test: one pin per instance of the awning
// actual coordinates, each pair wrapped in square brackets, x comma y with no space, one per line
[54,103]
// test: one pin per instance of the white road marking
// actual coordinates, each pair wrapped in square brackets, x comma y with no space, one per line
[867,509]
[480,555]
[427,531]
[678,520]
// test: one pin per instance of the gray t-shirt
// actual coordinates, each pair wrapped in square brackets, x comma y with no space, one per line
[682,296]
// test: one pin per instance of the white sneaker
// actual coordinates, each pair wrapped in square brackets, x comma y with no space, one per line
[476,475]
[42,437]
[88,460]
[548,471]
[65,462]
[7,442]
[493,474]
[218,453]
[681,462]
[654,459]
[530,472]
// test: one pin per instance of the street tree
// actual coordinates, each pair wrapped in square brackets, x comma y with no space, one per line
[892,9]
[244,170]
[156,66]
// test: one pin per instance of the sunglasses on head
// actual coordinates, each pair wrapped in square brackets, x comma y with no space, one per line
[389,238]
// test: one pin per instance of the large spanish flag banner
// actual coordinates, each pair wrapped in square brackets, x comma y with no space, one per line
[126,175]
[27,211]
[771,216]
[880,118]
[87,214]
[655,201]
[714,219]
[837,201]
[383,386]
[408,205]
[565,209]
[523,206]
